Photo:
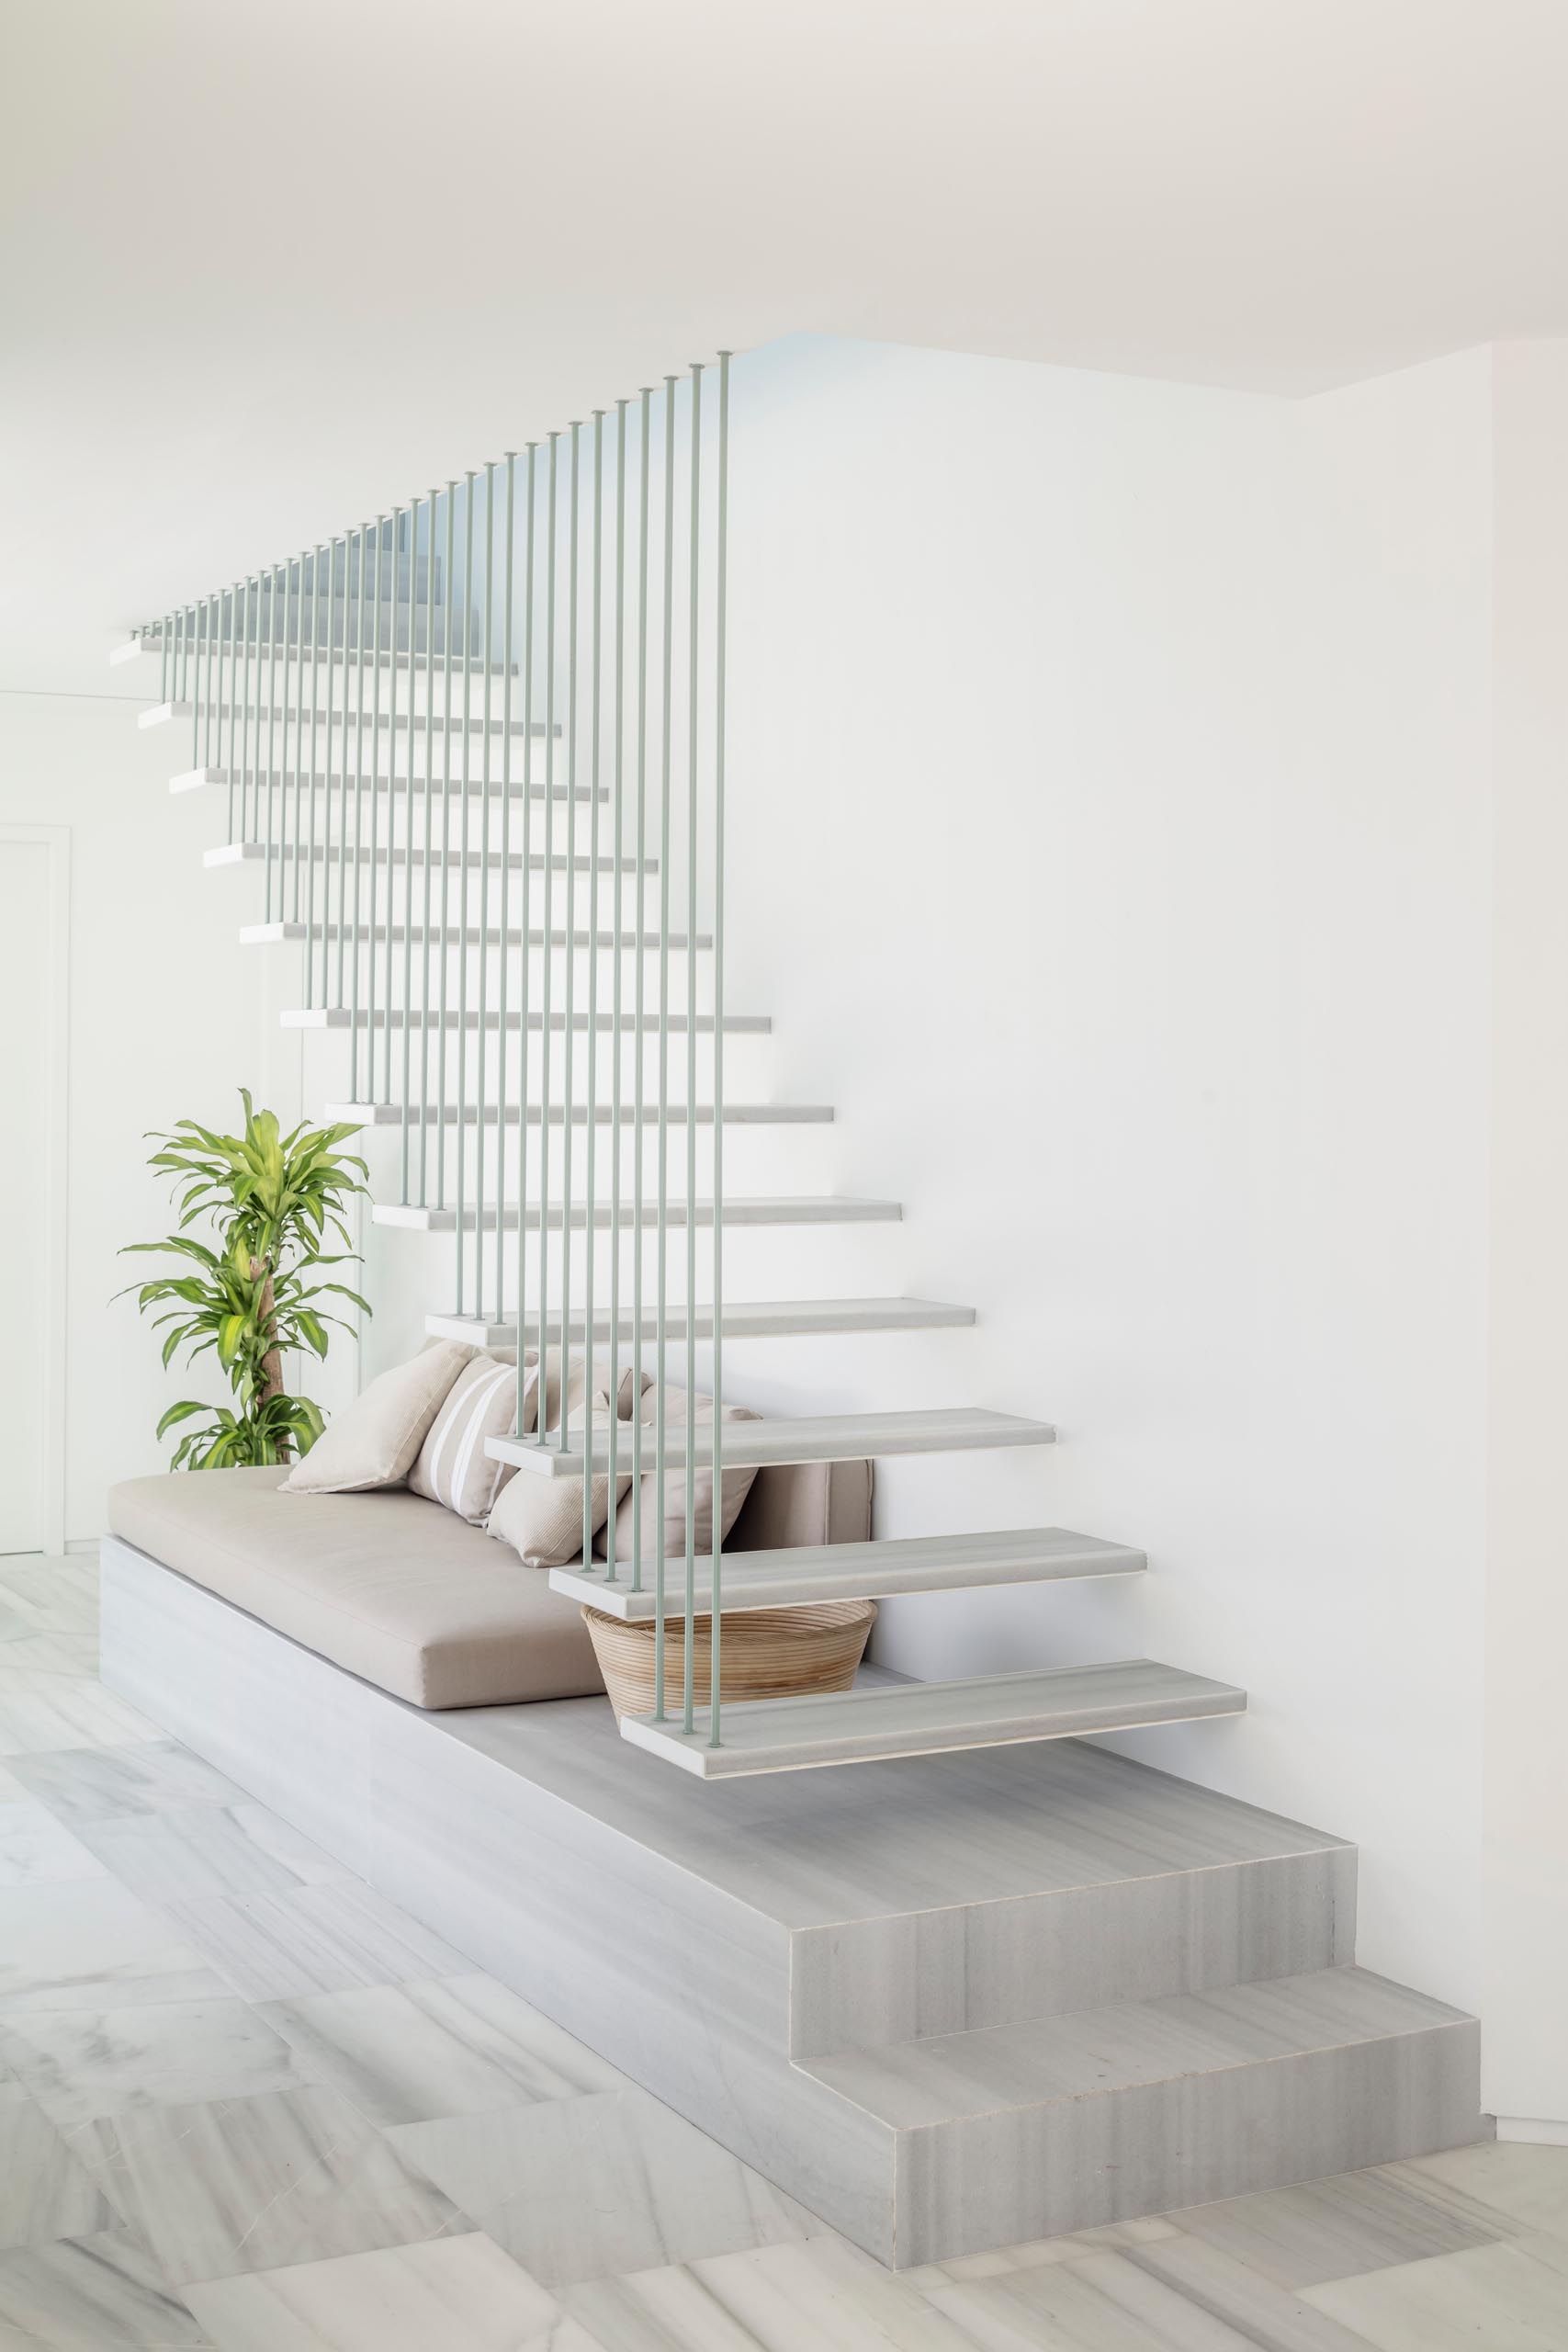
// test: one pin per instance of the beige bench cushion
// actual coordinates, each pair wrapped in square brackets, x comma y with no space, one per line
[396,1590]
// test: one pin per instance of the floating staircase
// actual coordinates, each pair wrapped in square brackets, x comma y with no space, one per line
[1087,1994]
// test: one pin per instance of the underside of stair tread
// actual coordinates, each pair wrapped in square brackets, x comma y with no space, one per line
[472,788]
[826,1437]
[736,1114]
[804,1208]
[343,1016]
[808,1572]
[1090,2053]
[743,1319]
[456,933]
[163,714]
[331,853]
[150,649]
[926,1718]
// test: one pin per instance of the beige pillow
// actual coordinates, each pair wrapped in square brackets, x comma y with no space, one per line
[375,1441]
[737,1486]
[542,1517]
[453,1466]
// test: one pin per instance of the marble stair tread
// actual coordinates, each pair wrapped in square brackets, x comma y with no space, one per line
[756,1320]
[866,1571]
[928,1718]
[803,1208]
[136,651]
[474,788]
[454,933]
[817,1437]
[1089,2053]
[163,714]
[736,1114]
[332,853]
[345,1016]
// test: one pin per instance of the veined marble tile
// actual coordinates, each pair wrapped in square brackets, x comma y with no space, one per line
[73,1654]
[252,2183]
[323,1938]
[35,1846]
[1511,2297]
[454,2294]
[52,1596]
[93,2294]
[68,1715]
[80,2064]
[90,1943]
[11,1787]
[457,2046]
[1074,2247]
[44,2191]
[1111,2304]
[1351,2222]
[773,2299]
[1528,2183]
[613,2181]
[95,1783]
[203,1850]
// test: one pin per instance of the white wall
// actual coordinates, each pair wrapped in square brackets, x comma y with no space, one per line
[1110,837]
[168,1016]
[1527,1624]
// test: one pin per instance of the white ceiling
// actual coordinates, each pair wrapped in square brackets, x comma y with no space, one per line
[267,268]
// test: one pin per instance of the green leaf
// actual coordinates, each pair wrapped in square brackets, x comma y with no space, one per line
[177,1413]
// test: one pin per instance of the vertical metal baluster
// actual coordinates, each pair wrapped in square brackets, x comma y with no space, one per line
[721,592]
[445,856]
[592,1091]
[503,968]
[408,852]
[271,734]
[393,732]
[315,781]
[299,735]
[639,912]
[617,1039]
[202,713]
[546,990]
[525,990]
[481,1040]
[339,992]
[228,641]
[463,874]
[353,961]
[243,833]
[569,1073]
[661,1306]
[428,780]
[692,764]
[376,730]
[165,649]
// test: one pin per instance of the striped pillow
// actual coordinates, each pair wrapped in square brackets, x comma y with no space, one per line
[453,1467]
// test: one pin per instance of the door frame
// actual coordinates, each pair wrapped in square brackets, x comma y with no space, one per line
[54,1013]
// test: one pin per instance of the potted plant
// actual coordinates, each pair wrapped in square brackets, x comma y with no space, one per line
[253,1295]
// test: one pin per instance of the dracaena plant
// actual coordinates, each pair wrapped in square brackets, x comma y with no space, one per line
[255,1292]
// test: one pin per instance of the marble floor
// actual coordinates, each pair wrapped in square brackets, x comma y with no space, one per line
[247,2105]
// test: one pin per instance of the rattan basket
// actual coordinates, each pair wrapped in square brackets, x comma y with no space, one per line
[767,1653]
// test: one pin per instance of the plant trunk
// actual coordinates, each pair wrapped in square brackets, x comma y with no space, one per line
[272,1361]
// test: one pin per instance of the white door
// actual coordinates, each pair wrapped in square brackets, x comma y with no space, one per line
[25,963]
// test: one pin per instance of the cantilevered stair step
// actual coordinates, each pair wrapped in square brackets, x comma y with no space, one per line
[534,1115]
[343,1016]
[333,853]
[763,1319]
[825,1437]
[808,1572]
[928,1718]
[163,714]
[455,935]
[147,653]
[804,1208]
[473,788]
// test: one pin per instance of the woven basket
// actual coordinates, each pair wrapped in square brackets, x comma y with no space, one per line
[767,1653]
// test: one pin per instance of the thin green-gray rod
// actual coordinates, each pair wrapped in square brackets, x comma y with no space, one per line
[551,501]
[445,856]
[427,779]
[481,1039]
[721,591]
[689,1660]
[393,667]
[246,723]
[503,967]
[358,818]
[315,737]
[589,1169]
[661,1275]
[376,734]
[524,988]
[462,1106]
[233,701]
[617,850]
[271,734]
[645,399]
[299,736]
[408,856]
[569,1073]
